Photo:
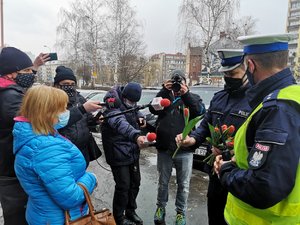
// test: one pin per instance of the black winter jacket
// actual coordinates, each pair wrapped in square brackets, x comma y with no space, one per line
[10,101]
[77,130]
[170,121]
[119,133]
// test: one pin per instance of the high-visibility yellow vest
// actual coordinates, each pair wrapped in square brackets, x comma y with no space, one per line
[286,212]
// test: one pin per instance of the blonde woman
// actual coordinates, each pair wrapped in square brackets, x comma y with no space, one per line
[48,165]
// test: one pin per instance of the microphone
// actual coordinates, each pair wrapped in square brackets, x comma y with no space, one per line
[158,103]
[151,136]
[150,139]
[110,103]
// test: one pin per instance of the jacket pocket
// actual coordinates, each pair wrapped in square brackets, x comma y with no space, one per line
[277,137]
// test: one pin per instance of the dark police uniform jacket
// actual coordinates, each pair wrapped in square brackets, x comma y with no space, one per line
[231,108]
[276,130]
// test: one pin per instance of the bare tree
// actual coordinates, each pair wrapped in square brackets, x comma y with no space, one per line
[100,36]
[241,27]
[93,22]
[69,32]
[80,35]
[124,44]
[203,20]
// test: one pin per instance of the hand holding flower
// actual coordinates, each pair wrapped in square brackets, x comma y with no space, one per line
[188,141]
[222,142]
[216,151]
[189,125]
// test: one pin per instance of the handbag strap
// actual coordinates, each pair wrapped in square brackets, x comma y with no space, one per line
[88,201]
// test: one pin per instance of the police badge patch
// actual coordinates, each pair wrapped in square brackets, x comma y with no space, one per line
[258,155]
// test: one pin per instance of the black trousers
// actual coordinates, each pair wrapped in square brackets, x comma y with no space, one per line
[216,201]
[128,180]
[13,201]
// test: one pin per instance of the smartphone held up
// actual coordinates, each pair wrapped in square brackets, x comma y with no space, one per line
[52,56]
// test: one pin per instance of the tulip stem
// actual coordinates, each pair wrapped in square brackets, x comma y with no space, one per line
[174,154]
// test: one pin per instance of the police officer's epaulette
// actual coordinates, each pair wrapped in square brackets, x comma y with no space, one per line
[271,99]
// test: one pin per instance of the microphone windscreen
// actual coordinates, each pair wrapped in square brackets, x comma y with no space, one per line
[165,102]
[112,103]
[151,137]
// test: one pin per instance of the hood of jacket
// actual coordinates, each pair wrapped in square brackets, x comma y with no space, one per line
[5,83]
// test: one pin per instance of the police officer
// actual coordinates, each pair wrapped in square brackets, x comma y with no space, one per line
[264,177]
[228,106]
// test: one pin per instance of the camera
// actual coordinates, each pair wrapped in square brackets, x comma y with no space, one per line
[176,82]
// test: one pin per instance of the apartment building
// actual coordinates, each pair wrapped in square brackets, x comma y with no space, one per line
[194,63]
[293,26]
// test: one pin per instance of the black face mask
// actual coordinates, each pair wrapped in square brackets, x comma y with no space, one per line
[233,84]
[69,89]
[25,80]
[250,77]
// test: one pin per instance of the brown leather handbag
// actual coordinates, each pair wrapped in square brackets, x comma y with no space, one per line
[102,217]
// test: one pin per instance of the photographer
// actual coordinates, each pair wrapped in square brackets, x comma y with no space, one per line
[170,122]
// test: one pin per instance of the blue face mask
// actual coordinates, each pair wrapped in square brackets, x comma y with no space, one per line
[63,120]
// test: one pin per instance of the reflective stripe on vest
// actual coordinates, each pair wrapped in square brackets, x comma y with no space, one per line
[286,212]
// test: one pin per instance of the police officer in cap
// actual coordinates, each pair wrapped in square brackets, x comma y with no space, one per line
[263,178]
[228,106]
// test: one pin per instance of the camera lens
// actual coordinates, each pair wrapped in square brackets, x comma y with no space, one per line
[176,80]
[176,87]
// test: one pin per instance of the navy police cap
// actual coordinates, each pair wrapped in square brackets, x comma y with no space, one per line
[257,44]
[231,59]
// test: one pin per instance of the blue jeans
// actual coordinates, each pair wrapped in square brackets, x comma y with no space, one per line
[183,163]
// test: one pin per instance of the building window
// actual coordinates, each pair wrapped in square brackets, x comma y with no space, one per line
[297,13]
[295,5]
[294,23]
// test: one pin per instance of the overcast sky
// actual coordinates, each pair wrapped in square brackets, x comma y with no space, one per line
[31,24]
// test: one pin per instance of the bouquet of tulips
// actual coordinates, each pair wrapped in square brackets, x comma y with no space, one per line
[222,139]
[189,125]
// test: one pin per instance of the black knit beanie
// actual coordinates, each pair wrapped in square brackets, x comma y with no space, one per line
[13,60]
[64,73]
[132,91]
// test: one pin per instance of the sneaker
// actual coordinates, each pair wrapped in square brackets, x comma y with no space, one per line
[159,216]
[180,219]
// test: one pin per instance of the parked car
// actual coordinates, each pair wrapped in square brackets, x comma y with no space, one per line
[85,92]
[96,95]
